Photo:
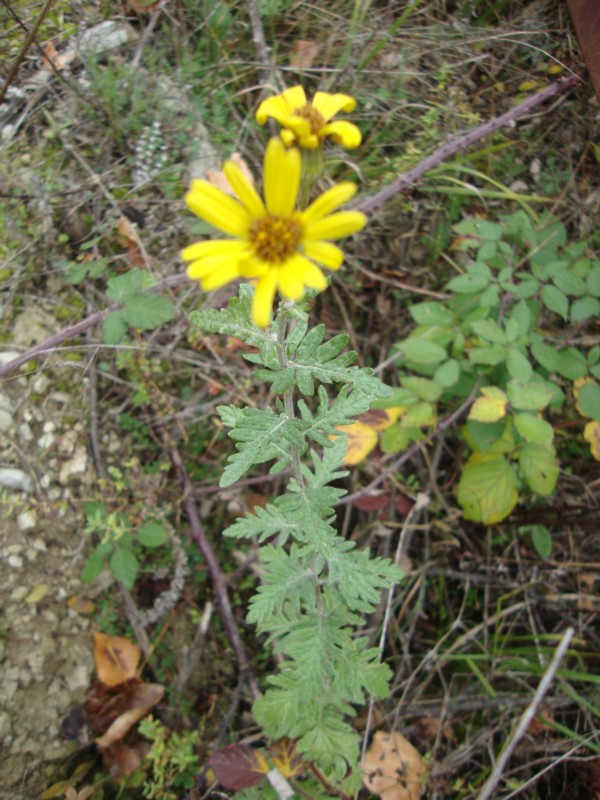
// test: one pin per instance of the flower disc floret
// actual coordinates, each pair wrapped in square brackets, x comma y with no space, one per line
[272,242]
[308,124]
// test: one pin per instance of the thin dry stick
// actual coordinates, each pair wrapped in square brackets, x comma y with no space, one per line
[527,717]
[408,179]
[214,570]
[27,44]
[80,327]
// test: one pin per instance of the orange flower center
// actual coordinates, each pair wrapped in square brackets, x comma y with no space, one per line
[275,239]
[315,119]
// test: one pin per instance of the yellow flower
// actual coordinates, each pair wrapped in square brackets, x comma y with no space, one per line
[308,124]
[271,240]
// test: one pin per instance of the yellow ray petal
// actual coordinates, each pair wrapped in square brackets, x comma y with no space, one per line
[216,208]
[281,178]
[295,97]
[244,189]
[290,280]
[342,132]
[328,105]
[325,253]
[329,201]
[199,270]
[219,277]
[262,302]
[213,247]
[335,226]
[312,276]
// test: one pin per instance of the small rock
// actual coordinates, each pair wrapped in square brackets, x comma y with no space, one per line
[41,383]
[14,562]
[39,545]
[27,520]
[106,36]
[73,467]
[5,402]
[45,441]
[25,432]
[79,678]
[8,355]
[19,593]
[49,426]
[6,420]
[16,479]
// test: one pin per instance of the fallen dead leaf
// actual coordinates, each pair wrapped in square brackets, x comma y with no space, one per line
[392,768]
[53,60]
[139,702]
[219,180]
[116,658]
[304,53]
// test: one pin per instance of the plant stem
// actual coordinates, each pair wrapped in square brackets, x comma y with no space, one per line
[288,397]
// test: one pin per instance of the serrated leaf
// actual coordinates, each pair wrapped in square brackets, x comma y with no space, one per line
[482,435]
[555,300]
[419,415]
[491,407]
[124,566]
[569,362]
[585,308]
[467,284]
[534,429]
[531,396]
[92,569]
[431,313]
[487,490]
[148,311]
[489,330]
[521,314]
[114,328]
[491,354]
[123,287]
[588,400]
[447,374]
[517,365]
[152,534]
[569,283]
[421,350]
[539,468]
[423,388]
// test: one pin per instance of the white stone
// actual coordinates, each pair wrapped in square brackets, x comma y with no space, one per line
[25,432]
[8,355]
[27,520]
[18,594]
[75,466]
[45,441]
[6,420]
[79,678]
[13,478]
[41,383]
[14,562]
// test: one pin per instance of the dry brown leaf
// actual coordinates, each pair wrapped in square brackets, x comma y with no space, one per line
[129,240]
[53,60]
[116,658]
[392,768]
[304,53]
[139,702]
[80,605]
[219,180]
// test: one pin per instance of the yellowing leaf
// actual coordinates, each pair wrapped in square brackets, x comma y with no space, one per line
[116,658]
[392,768]
[37,593]
[491,407]
[487,490]
[591,434]
[360,440]
[286,758]
[577,386]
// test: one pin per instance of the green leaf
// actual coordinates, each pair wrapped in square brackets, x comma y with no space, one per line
[532,396]
[489,330]
[569,362]
[482,435]
[152,534]
[447,374]
[534,429]
[539,468]
[93,567]
[527,288]
[487,490]
[593,279]
[491,407]
[396,438]
[585,308]
[423,388]
[421,350]
[418,415]
[467,284]
[555,300]
[541,538]
[517,364]
[124,566]
[122,287]
[114,328]
[589,400]
[521,313]
[235,320]
[491,354]
[569,283]
[431,314]
[148,311]
[481,228]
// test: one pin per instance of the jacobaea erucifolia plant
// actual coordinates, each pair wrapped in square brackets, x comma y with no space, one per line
[316,586]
